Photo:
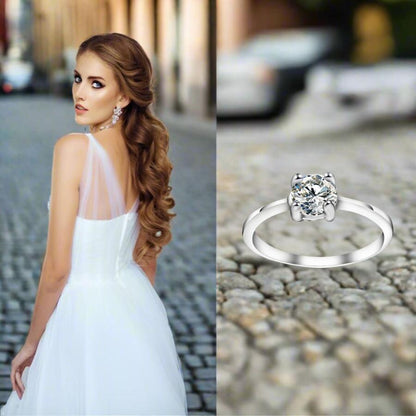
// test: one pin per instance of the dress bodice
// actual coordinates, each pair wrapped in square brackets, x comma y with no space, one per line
[105,233]
[101,248]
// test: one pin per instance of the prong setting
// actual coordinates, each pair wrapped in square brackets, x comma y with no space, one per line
[329,210]
[330,177]
[295,212]
[296,178]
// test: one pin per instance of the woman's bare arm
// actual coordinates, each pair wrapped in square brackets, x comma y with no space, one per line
[68,157]
[49,291]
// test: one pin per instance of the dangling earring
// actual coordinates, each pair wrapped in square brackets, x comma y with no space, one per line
[117,112]
[116,115]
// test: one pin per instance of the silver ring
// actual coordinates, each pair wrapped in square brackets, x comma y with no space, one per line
[314,197]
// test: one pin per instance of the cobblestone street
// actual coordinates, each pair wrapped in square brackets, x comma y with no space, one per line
[299,341]
[186,269]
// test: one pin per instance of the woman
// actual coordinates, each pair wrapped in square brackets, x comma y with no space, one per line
[99,340]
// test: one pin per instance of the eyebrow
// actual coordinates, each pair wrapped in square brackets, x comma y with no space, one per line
[90,77]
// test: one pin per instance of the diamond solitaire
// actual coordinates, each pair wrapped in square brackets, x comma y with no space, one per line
[313,197]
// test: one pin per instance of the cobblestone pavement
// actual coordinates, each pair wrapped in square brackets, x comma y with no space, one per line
[299,341]
[186,270]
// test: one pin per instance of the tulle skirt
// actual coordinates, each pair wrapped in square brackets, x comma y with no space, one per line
[107,350]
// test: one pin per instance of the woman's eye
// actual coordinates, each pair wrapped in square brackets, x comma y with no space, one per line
[94,82]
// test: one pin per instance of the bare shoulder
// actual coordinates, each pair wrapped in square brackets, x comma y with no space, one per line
[71,144]
[70,152]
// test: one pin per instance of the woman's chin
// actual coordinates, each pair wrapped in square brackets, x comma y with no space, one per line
[81,122]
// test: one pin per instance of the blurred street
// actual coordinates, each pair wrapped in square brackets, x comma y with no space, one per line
[186,270]
[299,341]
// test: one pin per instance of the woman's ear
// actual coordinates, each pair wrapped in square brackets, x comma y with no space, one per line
[124,101]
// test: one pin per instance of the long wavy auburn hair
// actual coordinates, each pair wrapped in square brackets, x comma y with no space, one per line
[146,138]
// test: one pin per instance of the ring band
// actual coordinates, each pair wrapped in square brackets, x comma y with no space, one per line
[260,247]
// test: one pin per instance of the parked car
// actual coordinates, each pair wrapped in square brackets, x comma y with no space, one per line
[16,75]
[261,76]
[383,89]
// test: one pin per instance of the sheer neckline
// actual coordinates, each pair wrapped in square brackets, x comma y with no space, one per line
[114,173]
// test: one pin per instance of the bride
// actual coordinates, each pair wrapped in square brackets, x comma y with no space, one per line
[99,342]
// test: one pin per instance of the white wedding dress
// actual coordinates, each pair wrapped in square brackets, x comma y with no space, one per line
[107,348]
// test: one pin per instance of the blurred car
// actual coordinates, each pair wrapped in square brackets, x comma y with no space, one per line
[261,76]
[16,76]
[383,89]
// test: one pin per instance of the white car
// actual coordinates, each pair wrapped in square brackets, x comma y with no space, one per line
[382,89]
[262,74]
[17,75]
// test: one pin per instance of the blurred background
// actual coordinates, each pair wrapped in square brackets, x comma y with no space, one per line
[347,54]
[313,86]
[39,40]
[38,43]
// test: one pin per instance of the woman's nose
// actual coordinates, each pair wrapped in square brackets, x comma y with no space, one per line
[79,91]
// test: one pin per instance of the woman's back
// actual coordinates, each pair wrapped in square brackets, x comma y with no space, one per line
[105,232]
[106,187]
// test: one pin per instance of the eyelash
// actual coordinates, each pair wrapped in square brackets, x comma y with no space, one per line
[98,82]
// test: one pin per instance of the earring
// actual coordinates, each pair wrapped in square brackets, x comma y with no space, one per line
[117,112]
[116,115]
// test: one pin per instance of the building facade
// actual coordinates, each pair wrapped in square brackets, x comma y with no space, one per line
[178,36]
